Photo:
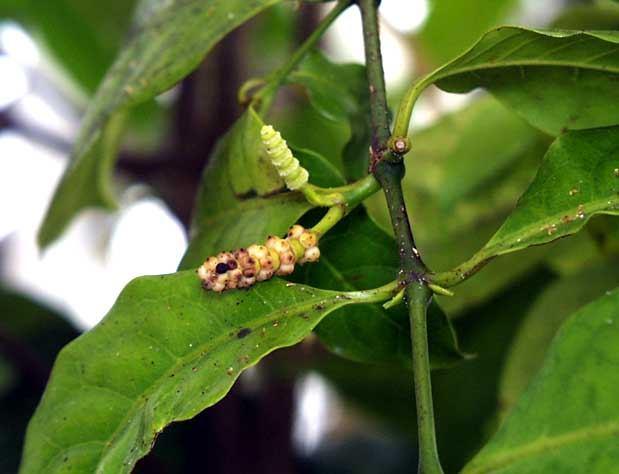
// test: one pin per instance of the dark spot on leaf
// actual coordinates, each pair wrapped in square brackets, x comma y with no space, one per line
[248,195]
[243,332]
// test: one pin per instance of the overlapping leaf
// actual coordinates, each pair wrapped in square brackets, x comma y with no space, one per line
[166,351]
[165,47]
[557,80]
[549,311]
[568,419]
[578,179]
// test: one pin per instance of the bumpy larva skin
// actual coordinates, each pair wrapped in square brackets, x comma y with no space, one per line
[288,167]
[244,267]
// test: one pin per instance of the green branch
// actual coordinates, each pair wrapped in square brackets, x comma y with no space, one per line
[388,168]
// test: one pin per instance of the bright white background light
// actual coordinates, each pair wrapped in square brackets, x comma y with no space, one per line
[16,43]
[14,81]
[406,16]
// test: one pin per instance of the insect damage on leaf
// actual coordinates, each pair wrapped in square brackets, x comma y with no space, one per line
[244,267]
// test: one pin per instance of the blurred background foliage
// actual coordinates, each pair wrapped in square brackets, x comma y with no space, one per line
[303,409]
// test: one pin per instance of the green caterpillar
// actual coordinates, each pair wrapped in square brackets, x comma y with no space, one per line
[288,167]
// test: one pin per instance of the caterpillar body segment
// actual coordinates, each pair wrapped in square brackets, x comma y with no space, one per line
[244,267]
[288,167]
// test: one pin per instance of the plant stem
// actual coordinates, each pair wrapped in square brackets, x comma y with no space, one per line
[379,112]
[264,98]
[376,295]
[332,217]
[349,194]
[418,297]
[462,272]
[388,168]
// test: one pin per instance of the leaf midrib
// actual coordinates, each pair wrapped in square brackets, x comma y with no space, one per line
[541,445]
[524,63]
[347,285]
[530,231]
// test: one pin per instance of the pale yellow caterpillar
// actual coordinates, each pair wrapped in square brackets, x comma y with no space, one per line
[288,167]
[244,267]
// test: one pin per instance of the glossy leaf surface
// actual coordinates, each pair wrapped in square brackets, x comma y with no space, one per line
[557,79]
[166,351]
[549,311]
[568,419]
[578,179]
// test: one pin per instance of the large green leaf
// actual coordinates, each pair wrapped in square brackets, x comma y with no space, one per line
[557,80]
[549,311]
[568,419]
[166,351]
[166,46]
[358,254]
[578,179]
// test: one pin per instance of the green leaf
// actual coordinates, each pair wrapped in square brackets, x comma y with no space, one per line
[166,351]
[241,198]
[557,80]
[549,311]
[578,179]
[168,45]
[568,419]
[85,183]
[441,39]
[339,93]
[358,254]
